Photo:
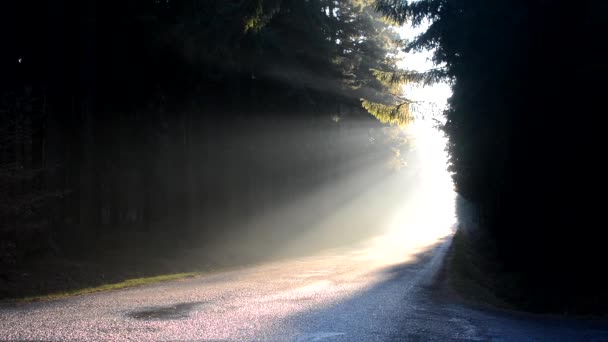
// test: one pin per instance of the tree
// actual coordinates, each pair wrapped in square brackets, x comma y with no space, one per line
[155,108]
[507,61]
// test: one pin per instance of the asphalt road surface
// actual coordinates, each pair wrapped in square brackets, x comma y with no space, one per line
[376,291]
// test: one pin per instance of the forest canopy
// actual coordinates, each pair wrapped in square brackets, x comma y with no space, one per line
[521,145]
[122,117]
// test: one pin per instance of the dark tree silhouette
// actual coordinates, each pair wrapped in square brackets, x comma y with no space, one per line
[160,125]
[522,145]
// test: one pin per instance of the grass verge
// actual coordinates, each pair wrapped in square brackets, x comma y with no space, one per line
[474,274]
[111,287]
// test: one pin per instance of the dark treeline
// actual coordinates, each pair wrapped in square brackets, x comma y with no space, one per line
[525,141]
[175,120]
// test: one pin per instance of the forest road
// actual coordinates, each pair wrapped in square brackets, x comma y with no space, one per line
[376,291]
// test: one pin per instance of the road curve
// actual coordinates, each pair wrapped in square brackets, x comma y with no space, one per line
[369,293]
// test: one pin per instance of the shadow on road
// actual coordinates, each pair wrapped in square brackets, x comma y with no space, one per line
[406,303]
[398,291]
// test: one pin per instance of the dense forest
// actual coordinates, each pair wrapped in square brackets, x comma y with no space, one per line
[524,140]
[161,125]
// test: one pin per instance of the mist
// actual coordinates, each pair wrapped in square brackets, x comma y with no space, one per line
[158,139]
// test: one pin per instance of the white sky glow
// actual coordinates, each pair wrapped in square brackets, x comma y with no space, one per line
[421,61]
